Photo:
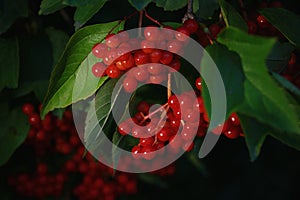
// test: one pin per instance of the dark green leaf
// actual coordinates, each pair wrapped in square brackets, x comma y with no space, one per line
[279,56]
[10,11]
[51,6]
[285,21]
[9,66]
[265,100]
[39,88]
[58,41]
[139,4]
[231,16]
[171,5]
[153,180]
[230,68]
[287,84]
[255,135]
[86,12]
[75,64]
[14,128]
[205,8]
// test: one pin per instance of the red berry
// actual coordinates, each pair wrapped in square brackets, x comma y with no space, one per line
[141,74]
[130,84]
[28,109]
[191,25]
[262,22]
[136,150]
[143,107]
[42,168]
[234,119]
[124,128]
[155,56]
[112,40]
[148,152]
[214,30]
[233,133]
[112,71]
[198,83]
[166,58]
[174,46]
[100,50]
[182,34]
[164,134]
[123,36]
[146,142]
[141,58]
[125,64]
[155,69]
[34,119]
[98,69]
[151,33]
[147,46]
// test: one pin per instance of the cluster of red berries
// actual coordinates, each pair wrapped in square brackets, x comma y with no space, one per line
[185,115]
[158,46]
[57,138]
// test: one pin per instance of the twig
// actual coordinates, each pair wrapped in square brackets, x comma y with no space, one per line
[169,85]
[189,14]
[152,19]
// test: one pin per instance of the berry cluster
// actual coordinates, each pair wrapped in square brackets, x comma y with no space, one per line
[185,115]
[158,46]
[51,177]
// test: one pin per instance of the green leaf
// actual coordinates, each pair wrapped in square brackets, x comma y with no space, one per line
[171,5]
[285,21]
[85,12]
[153,180]
[14,129]
[139,4]
[174,25]
[255,135]
[39,88]
[205,8]
[75,64]
[230,68]
[58,41]
[78,3]
[231,16]
[10,11]
[279,56]
[264,100]
[100,114]
[9,66]
[287,84]
[50,6]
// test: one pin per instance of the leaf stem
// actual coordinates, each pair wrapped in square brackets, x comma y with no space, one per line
[140,22]
[169,92]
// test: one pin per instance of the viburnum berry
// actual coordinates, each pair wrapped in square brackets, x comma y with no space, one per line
[262,21]
[112,40]
[28,109]
[98,69]
[174,46]
[214,30]
[100,50]
[146,142]
[198,83]
[151,33]
[166,58]
[143,107]
[34,119]
[164,134]
[232,133]
[182,34]
[141,58]
[191,25]
[141,73]
[130,84]
[124,128]
[155,56]
[112,71]
[252,27]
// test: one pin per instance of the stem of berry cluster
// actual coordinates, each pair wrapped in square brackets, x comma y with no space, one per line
[169,92]
[140,22]
[151,18]
[154,112]
[189,14]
